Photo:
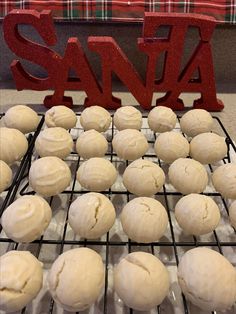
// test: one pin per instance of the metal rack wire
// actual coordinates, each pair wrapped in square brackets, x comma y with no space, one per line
[111,244]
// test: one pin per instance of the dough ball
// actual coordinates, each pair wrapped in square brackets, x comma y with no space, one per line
[224,180]
[5,176]
[96,118]
[141,281]
[76,279]
[91,144]
[60,116]
[54,142]
[97,174]
[161,119]
[188,176]
[143,178]
[170,146]
[21,279]
[130,144]
[91,215]
[26,219]
[127,117]
[208,148]
[144,219]
[13,145]
[21,118]
[197,214]
[207,279]
[49,176]
[196,121]
[232,214]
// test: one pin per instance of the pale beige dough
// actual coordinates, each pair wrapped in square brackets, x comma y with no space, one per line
[143,178]
[144,219]
[21,280]
[26,219]
[207,279]
[54,142]
[188,176]
[170,146]
[232,214]
[96,174]
[127,117]
[141,281]
[224,180]
[13,145]
[49,176]
[96,118]
[5,176]
[90,144]
[130,144]
[60,116]
[161,119]
[76,279]
[91,215]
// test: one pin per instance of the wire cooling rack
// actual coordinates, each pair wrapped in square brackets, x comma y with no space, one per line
[59,237]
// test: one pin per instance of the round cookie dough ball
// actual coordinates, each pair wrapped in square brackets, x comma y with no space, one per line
[49,176]
[13,145]
[26,219]
[196,121]
[5,176]
[208,148]
[207,279]
[97,174]
[232,214]
[141,281]
[21,118]
[188,176]
[21,279]
[54,142]
[127,117]
[224,180]
[143,178]
[76,279]
[96,118]
[170,146]
[91,215]
[144,219]
[130,144]
[91,144]
[197,214]
[161,119]
[60,116]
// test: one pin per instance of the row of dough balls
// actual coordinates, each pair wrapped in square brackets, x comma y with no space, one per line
[76,279]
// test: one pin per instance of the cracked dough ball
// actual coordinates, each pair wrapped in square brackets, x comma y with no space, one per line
[144,219]
[197,214]
[207,279]
[161,119]
[208,148]
[141,281]
[91,215]
[97,174]
[188,176]
[54,142]
[130,144]
[232,214]
[143,178]
[60,116]
[224,180]
[76,279]
[196,121]
[21,279]
[96,118]
[91,144]
[127,117]
[13,145]
[49,176]
[5,176]
[170,146]
[21,118]
[26,219]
